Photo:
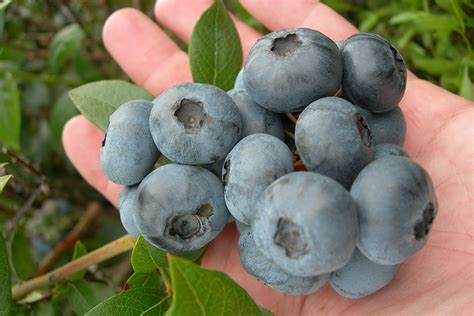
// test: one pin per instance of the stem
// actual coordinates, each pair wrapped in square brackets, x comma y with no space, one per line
[105,252]
[71,238]
[289,134]
[291,117]
[166,280]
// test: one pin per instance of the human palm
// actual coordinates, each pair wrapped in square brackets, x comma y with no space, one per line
[439,137]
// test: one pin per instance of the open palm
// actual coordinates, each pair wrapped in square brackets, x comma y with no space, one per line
[440,137]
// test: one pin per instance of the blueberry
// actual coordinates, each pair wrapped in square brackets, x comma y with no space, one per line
[388,127]
[339,43]
[334,139]
[241,227]
[271,274]
[126,200]
[180,208]
[375,74]
[306,223]
[397,205]
[239,81]
[128,152]
[256,119]
[194,123]
[252,165]
[384,150]
[287,70]
[361,277]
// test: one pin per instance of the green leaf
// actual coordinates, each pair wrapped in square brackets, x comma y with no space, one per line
[10,117]
[3,181]
[63,110]
[64,43]
[215,52]
[44,309]
[4,4]
[5,285]
[147,258]
[83,295]
[195,290]
[138,301]
[79,251]
[435,66]
[465,90]
[265,312]
[144,279]
[98,100]
[21,255]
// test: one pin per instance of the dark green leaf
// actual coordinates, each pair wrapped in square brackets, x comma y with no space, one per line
[44,309]
[21,255]
[195,290]
[147,258]
[5,285]
[98,100]
[466,89]
[138,301]
[10,118]
[85,295]
[79,251]
[215,52]
[144,279]
[62,111]
[64,43]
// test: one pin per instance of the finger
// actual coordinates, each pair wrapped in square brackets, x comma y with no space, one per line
[279,14]
[144,51]
[180,16]
[82,141]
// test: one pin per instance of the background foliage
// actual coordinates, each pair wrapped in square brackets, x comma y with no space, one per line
[48,48]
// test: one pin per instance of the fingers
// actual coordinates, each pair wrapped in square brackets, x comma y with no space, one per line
[279,14]
[144,51]
[180,16]
[82,141]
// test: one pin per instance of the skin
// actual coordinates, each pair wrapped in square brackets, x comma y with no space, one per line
[437,280]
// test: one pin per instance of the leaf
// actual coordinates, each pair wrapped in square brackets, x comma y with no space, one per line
[265,312]
[85,295]
[425,21]
[138,301]
[79,251]
[63,110]
[215,51]
[144,279]
[98,100]
[3,181]
[195,290]
[435,66]
[5,285]
[147,258]
[465,90]
[10,117]
[21,255]
[44,309]
[64,43]
[4,4]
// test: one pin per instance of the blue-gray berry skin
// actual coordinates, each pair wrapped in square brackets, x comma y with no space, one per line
[252,165]
[375,73]
[126,200]
[241,227]
[361,277]
[193,123]
[128,152]
[384,150]
[334,139]
[306,223]
[256,119]
[288,69]
[339,43]
[388,127]
[239,81]
[271,274]
[397,205]
[180,208]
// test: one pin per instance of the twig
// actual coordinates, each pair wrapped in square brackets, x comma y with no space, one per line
[338,93]
[105,252]
[17,159]
[291,117]
[289,134]
[71,238]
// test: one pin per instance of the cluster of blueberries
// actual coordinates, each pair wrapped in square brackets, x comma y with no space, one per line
[361,207]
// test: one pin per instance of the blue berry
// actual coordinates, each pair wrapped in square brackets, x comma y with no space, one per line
[384,150]
[126,200]
[388,127]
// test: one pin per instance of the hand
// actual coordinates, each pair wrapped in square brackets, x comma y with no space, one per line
[438,279]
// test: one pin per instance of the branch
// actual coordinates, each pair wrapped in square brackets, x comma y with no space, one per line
[104,253]
[71,238]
